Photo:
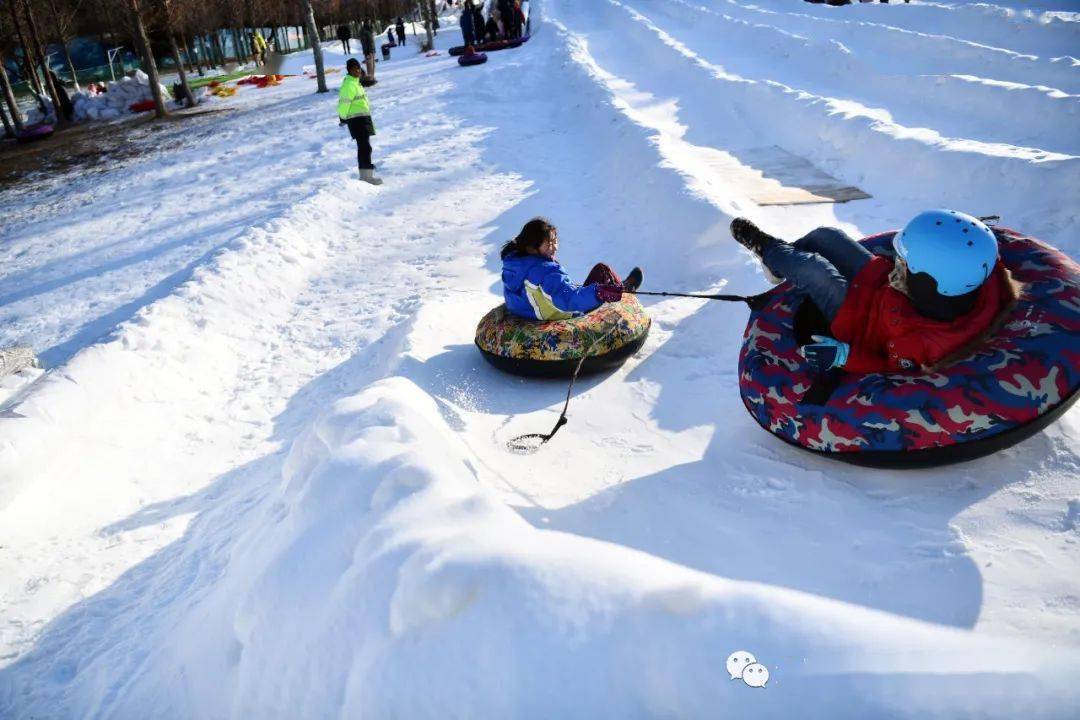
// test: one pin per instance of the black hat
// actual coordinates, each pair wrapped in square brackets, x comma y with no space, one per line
[351,62]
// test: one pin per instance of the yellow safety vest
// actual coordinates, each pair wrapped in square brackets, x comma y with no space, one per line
[352,100]
[260,42]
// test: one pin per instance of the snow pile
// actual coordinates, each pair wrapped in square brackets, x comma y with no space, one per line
[385,580]
[118,100]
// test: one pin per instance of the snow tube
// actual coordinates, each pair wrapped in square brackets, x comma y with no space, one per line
[489,46]
[610,334]
[34,132]
[1023,377]
[141,106]
[474,59]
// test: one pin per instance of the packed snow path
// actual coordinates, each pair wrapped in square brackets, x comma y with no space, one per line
[207,489]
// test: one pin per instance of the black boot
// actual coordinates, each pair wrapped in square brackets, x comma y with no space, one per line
[750,236]
[633,279]
[754,239]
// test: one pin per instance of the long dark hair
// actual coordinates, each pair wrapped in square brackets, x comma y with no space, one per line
[531,237]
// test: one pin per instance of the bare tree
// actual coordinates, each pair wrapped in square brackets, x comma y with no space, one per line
[316,47]
[42,60]
[9,97]
[63,14]
[9,131]
[427,14]
[148,58]
[170,32]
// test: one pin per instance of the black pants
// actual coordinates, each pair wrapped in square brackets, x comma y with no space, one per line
[345,44]
[360,129]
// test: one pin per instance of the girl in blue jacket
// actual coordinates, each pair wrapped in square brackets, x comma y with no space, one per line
[536,287]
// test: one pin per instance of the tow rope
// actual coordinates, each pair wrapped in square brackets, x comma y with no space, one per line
[532,442]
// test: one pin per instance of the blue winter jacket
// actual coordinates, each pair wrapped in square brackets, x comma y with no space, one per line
[539,289]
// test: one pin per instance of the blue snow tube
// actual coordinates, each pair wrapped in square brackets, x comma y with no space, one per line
[474,59]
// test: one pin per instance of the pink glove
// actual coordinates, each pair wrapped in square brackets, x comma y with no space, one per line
[609,293]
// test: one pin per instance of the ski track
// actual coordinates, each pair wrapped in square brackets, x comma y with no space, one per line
[221,337]
[928,47]
[929,95]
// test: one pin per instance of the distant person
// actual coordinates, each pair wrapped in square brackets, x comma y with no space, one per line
[258,44]
[518,20]
[506,17]
[355,112]
[344,35]
[400,31]
[367,44]
[491,30]
[478,21]
[466,23]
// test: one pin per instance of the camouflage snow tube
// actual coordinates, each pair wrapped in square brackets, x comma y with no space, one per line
[608,335]
[1023,378]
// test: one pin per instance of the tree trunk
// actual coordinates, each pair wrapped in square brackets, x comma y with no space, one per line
[185,55]
[71,66]
[148,60]
[9,97]
[215,40]
[61,35]
[238,47]
[61,119]
[212,59]
[9,131]
[316,48]
[185,91]
[27,62]
[425,15]
[187,52]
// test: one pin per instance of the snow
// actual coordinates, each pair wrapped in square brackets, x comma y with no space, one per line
[265,473]
[117,101]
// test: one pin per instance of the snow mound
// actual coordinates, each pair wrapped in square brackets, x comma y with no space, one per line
[117,101]
[384,580]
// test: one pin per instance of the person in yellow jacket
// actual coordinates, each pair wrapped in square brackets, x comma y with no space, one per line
[354,111]
[259,43]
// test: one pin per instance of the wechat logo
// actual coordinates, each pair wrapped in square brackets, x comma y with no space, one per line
[742,665]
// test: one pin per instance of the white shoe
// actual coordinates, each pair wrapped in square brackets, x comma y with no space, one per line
[368,176]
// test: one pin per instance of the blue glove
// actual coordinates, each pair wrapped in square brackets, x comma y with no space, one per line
[825,353]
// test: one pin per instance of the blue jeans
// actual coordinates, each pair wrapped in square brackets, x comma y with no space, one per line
[821,264]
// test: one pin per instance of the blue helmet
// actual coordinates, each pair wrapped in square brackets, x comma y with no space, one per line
[955,249]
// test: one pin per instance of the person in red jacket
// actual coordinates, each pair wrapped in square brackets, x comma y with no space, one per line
[939,293]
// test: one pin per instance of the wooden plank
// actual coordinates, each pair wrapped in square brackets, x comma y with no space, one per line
[782,178]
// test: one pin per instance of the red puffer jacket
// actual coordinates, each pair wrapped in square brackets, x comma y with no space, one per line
[886,333]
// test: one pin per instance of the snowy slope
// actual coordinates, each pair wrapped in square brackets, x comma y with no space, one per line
[215,505]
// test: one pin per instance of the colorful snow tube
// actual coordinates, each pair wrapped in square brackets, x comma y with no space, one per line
[1020,380]
[474,59]
[608,335]
[34,132]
